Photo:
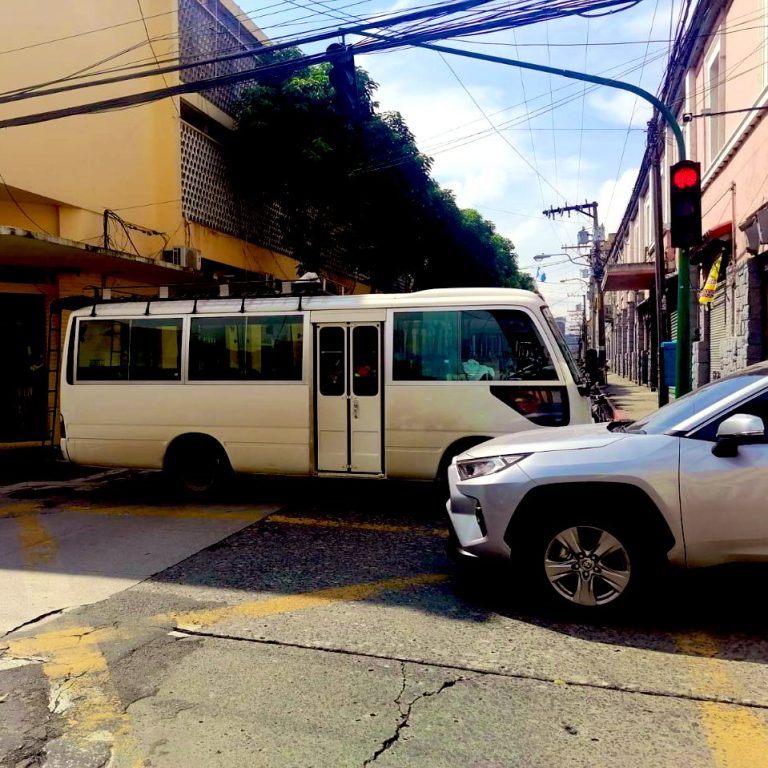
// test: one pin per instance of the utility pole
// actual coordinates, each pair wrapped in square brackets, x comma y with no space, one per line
[597,307]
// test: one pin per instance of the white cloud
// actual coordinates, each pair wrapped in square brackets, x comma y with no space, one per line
[621,107]
[613,198]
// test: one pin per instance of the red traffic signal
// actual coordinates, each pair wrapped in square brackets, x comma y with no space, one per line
[685,177]
[685,204]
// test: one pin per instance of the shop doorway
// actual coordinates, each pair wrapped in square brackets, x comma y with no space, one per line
[23,379]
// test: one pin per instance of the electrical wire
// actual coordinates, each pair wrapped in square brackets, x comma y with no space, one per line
[530,133]
[281,9]
[631,117]
[510,124]
[583,104]
[498,133]
[18,205]
[484,17]
[614,71]
[463,141]
[154,54]
[476,19]
[551,104]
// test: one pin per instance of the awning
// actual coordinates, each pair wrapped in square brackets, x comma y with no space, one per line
[639,276]
[714,242]
[26,252]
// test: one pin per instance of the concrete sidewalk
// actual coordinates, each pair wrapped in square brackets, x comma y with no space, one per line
[629,400]
[33,462]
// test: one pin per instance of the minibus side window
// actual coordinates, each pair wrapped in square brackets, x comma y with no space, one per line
[215,348]
[102,350]
[142,349]
[469,345]
[273,347]
[426,346]
[332,351]
[238,348]
[155,350]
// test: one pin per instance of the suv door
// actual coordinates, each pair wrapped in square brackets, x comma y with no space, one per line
[724,501]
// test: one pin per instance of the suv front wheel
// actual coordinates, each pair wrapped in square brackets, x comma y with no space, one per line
[588,563]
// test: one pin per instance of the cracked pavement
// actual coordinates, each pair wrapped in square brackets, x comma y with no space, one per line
[334,634]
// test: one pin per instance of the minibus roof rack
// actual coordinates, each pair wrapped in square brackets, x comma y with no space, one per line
[306,285]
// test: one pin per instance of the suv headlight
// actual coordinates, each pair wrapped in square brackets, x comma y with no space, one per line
[471,468]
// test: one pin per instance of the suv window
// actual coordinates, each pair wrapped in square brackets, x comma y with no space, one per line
[757,406]
[693,402]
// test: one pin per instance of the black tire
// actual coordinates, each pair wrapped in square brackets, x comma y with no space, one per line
[562,561]
[198,467]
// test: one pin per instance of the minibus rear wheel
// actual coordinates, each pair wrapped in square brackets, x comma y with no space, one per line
[197,465]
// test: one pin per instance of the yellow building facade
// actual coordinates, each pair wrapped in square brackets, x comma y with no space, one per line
[115,200]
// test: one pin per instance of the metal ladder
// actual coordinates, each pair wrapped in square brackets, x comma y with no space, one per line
[53,363]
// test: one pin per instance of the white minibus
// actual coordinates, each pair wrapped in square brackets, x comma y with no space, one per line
[375,385]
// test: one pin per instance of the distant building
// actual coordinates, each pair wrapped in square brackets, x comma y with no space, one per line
[573,340]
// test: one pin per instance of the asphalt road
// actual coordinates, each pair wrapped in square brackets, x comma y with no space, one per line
[319,623]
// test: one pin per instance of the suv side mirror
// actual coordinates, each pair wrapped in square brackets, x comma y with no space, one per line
[737,430]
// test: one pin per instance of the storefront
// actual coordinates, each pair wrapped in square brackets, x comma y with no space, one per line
[37,273]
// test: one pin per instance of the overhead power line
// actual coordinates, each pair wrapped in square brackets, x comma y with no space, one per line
[494,17]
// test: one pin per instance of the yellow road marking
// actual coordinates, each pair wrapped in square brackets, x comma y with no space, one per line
[175,512]
[81,688]
[247,514]
[36,542]
[379,527]
[300,602]
[20,509]
[737,736]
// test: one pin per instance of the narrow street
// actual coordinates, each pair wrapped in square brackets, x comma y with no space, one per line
[320,624]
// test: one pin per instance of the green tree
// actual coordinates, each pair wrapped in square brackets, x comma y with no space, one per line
[360,193]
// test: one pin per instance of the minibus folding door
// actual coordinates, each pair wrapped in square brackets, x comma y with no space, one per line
[348,398]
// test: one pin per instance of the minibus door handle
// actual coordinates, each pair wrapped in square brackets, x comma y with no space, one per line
[355,408]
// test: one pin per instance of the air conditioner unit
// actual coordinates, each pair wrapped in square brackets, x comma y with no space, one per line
[182,256]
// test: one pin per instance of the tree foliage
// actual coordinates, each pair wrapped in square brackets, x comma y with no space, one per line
[359,189]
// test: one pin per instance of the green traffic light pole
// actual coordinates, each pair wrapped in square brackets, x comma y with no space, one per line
[683,356]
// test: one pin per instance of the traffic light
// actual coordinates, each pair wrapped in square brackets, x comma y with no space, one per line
[343,78]
[685,204]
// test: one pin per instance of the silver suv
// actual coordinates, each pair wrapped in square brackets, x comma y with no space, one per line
[592,513]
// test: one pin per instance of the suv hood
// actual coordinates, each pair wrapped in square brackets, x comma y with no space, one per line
[547,439]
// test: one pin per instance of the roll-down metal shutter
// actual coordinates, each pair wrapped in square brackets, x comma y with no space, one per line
[717,331]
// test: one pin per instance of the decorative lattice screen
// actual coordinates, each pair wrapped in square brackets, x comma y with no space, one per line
[208,198]
[207,29]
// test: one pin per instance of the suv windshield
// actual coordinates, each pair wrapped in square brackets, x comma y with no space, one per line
[561,343]
[692,403]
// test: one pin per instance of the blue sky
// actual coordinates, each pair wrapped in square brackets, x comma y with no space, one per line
[510,142]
